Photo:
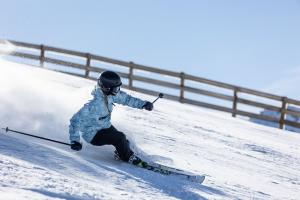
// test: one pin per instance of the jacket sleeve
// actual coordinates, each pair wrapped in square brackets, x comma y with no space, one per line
[75,124]
[126,99]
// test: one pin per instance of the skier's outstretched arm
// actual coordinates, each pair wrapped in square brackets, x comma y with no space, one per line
[126,99]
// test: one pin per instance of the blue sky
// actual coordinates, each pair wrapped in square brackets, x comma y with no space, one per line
[252,43]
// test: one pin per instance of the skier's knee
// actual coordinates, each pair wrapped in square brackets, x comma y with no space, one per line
[121,137]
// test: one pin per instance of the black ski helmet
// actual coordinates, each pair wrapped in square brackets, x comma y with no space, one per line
[109,82]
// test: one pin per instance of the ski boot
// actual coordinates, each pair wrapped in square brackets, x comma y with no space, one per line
[135,160]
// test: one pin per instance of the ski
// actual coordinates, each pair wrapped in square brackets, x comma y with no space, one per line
[166,170]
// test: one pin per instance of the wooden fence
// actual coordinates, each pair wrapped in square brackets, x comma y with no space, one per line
[182,83]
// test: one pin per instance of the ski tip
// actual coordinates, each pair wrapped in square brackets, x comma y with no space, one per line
[201,179]
[198,179]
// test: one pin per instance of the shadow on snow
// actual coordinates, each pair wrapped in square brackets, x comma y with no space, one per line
[98,165]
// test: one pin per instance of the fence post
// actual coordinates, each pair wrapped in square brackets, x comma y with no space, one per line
[182,78]
[42,56]
[130,78]
[88,64]
[235,98]
[283,111]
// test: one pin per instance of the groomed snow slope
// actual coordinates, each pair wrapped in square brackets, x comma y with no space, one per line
[242,160]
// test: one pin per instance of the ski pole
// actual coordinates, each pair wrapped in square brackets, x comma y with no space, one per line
[160,95]
[10,130]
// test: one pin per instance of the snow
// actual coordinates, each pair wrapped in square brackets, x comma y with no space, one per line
[241,160]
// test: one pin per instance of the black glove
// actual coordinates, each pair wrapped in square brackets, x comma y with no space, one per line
[148,106]
[76,146]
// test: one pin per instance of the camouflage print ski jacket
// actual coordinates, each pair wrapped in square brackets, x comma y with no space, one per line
[96,114]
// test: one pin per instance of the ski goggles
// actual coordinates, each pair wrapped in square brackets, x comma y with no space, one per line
[109,90]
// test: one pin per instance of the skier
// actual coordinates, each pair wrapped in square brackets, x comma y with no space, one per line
[92,121]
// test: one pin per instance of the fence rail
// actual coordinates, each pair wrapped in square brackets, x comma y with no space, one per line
[132,75]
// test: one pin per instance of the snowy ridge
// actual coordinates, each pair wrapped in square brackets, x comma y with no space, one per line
[242,160]
[277,115]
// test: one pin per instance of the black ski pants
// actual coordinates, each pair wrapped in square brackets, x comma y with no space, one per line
[111,136]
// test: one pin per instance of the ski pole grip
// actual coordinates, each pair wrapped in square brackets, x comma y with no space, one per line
[160,95]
